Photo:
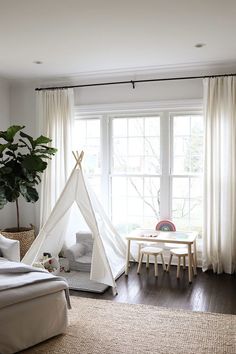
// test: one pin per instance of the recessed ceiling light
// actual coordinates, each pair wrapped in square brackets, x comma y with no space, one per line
[199,45]
[38,62]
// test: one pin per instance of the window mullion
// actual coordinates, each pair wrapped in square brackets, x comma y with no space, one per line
[165,196]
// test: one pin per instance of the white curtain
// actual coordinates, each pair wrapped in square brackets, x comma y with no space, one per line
[55,112]
[219,230]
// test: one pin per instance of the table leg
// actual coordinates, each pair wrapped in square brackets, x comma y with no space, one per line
[195,252]
[127,257]
[189,263]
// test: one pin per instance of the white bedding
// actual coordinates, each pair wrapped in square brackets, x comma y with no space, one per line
[14,275]
[33,306]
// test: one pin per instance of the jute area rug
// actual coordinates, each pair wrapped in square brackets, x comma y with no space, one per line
[104,327]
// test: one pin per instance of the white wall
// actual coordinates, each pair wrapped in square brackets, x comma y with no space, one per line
[23,112]
[4,104]
[7,215]
[143,92]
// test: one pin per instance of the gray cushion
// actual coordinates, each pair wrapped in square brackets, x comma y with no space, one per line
[75,251]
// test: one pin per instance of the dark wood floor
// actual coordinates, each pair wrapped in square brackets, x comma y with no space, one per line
[208,292]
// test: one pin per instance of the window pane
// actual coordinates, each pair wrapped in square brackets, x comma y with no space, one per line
[196,188]
[152,126]
[120,146]
[197,125]
[87,138]
[135,127]
[135,198]
[182,125]
[136,148]
[135,202]
[119,127]
[187,144]
[180,188]
[180,208]
[187,203]
[187,160]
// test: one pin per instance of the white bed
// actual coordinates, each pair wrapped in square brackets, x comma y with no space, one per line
[33,306]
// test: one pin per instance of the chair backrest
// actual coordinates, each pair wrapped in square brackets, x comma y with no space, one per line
[85,239]
[165,225]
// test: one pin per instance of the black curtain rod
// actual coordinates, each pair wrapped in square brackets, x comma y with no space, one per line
[133,82]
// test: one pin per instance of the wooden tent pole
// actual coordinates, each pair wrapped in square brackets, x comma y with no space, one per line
[78,157]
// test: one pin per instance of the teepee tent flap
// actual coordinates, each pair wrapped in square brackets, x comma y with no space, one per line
[108,256]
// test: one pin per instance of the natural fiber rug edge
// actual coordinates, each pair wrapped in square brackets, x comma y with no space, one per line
[104,327]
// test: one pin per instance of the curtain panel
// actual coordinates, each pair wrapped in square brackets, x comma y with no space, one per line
[55,112]
[219,226]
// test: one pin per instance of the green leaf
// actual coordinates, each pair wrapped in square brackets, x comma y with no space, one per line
[23,189]
[5,170]
[31,140]
[38,178]
[31,195]
[42,140]
[13,147]
[11,194]
[22,161]
[29,176]
[24,144]
[43,156]
[10,133]
[34,163]
[46,150]
[3,147]
[10,153]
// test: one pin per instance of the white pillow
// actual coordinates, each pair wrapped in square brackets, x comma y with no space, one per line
[10,249]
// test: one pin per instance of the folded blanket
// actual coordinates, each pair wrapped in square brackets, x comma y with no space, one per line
[14,275]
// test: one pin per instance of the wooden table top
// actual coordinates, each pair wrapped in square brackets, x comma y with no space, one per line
[149,235]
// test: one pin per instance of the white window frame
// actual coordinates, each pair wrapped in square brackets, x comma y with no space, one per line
[166,110]
[138,114]
[172,175]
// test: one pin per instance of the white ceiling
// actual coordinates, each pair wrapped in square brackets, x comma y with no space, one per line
[84,36]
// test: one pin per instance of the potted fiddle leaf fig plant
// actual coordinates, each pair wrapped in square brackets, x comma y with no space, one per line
[23,159]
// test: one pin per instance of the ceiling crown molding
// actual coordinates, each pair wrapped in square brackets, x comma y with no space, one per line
[161,71]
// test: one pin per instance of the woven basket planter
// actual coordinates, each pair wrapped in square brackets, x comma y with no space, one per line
[26,237]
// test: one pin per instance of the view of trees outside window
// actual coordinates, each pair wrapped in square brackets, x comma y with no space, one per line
[187,168]
[134,172]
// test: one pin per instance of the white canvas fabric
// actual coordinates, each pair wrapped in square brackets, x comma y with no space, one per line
[9,249]
[109,250]
[219,229]
[55,115]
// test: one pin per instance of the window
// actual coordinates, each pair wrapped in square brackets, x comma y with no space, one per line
[187,168]
[145,167]
[135,172]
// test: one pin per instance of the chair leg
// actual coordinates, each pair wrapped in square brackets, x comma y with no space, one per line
[194,265]
[140,263]
[168,267]
[147,262]
[156,267]
[184,262]
[178,268]
[139,252]
[163,262]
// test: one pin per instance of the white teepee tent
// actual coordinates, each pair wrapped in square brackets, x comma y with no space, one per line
[109,250]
